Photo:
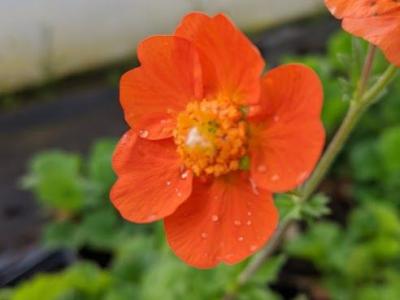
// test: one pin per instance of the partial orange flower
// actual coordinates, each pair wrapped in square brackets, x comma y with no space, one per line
[211,140]
[377,21]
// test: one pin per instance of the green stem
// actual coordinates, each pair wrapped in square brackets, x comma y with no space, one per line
[358,106]
[366,71]
[353,115]
[379,87]
[356,110]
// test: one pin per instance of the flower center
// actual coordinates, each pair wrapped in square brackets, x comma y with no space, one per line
[211,137]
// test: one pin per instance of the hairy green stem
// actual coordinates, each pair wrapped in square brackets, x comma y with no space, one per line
[361,102]
[366,71]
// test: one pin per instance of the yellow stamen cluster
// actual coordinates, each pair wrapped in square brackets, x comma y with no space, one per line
[211,137]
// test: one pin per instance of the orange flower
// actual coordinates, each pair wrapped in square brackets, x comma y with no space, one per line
[211,139]
[377,21]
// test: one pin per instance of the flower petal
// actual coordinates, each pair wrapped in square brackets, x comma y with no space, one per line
[288,137]
[191,24]
[150,183]
[382,31]
[231,64]
[168,78]
[223,221]
[360,8]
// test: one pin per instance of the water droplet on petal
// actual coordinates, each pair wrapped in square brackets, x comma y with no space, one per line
[143,133]
[214,218]
[253,248]
[276,118]
[168,183]
[254,187]
[204,235]
[237,223]
[261,168]
[248,223]
[240,239]
[178,193]
[275,177]
[185,174]
[249,213]
[151,218]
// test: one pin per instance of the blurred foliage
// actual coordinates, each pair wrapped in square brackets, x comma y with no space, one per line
[76,194]
[359,261]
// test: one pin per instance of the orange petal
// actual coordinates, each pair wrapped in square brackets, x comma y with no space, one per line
[288,137]
[381,31]
[223,221]
[231,64]
[150,183]
[191,24]
[360,8]
[168,78]
[156,126]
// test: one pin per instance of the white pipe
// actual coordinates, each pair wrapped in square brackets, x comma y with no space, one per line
[46,39]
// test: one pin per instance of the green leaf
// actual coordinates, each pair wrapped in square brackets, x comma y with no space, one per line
[58,234]
[365,162]
[315,207]
[101,229]
[287,206]
[99,164]
[55,179]
[389,149]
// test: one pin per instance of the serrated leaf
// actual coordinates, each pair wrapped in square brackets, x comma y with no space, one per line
[315,207]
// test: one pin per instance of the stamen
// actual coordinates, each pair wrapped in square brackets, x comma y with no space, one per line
[211,137]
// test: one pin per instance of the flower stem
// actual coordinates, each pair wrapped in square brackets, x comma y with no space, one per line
[366,71]
[361,102]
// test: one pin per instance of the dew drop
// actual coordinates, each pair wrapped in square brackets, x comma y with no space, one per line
[248,223]
[168,183]
[261,168]
[164,121]
[204,235]
[249,213]
[275,177]
[237,223]
[253,248]
[151,218]
[276,118]
[143,133]
[254,187]
[240,239]
[185,174]
[214,218]
[178,193]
